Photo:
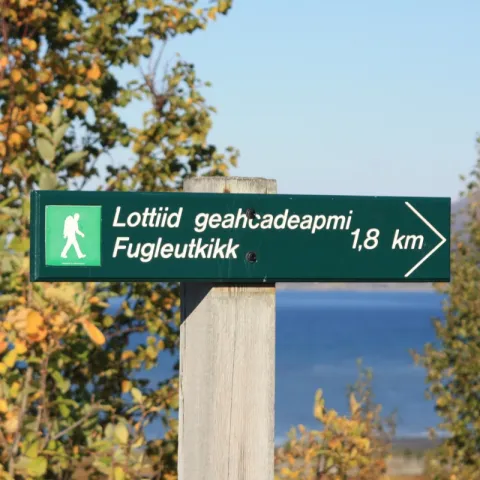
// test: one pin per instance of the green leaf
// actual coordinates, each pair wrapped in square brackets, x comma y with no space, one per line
[174,131]
[45,149]
[59,133]
[197,138]
[64,410]
[37,467]
[32,450]
[8,298]
[20,244]
[223,6]
[62,383]
[44,131]
[72,159]
[121,433]
[48,180]
[56,116]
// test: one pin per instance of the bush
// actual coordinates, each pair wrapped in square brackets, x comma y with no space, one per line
[358,444]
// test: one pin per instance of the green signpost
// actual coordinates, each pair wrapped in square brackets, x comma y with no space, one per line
[133,236]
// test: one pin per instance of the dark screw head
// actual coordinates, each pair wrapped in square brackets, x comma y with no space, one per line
[251,257]
[250,212]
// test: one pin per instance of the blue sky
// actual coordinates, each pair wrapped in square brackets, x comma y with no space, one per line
[345,97]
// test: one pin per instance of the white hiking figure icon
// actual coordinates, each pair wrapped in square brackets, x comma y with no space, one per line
[70,231]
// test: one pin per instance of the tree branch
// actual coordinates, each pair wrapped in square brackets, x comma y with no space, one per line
[42,409]
[23,408]
[77,423]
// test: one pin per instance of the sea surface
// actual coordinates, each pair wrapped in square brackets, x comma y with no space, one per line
[321,334]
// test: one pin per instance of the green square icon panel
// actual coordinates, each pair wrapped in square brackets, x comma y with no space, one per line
[73,235]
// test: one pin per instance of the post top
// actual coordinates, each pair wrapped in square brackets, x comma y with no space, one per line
[230,185]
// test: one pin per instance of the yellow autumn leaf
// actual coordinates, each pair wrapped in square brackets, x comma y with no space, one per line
[16,75]
[212,13]
[15,389]
[10,358]
[118,473]
[319,406]
[93,332]
[43,76]
[82,107]
[3,62]
[11,425]
[121,433]
[20,347]
[94,72]
[3,368]
[354,405]
[3,406]
[59,320]
[34,323]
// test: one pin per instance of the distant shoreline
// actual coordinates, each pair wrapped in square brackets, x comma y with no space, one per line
[357,287]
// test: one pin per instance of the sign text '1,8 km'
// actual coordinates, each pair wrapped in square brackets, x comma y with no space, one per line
[131,236]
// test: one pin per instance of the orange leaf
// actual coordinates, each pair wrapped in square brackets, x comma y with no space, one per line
[16,75]
[93,332]
[126,355]
[14,139]
[3,62]
[67,102]
[94,72]
[41,108]
[32,45]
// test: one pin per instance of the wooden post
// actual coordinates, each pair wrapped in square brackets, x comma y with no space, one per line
[227,368]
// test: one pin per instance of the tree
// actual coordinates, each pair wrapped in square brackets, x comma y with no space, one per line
[356,446]
[453,361]
[71,391]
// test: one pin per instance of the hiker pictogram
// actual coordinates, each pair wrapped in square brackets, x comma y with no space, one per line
[70,232]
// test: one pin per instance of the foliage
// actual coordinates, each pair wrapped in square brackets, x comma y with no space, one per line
[357,445]
[71,386]
[453,363]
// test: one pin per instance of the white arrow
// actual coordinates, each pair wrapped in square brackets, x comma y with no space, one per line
[431,252]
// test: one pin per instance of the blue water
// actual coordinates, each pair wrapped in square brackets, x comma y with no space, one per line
[320,336]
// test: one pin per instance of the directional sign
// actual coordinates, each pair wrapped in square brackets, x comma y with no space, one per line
[133,236]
